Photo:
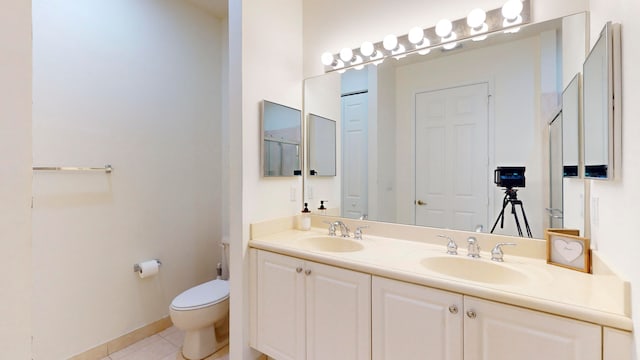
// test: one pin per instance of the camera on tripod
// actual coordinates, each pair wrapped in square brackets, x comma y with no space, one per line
[509,176]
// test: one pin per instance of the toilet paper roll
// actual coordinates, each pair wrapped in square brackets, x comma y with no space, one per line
[148,268]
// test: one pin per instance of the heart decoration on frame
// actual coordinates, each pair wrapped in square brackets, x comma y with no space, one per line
[565,248]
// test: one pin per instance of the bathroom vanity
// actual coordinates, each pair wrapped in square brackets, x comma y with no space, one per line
[403,297]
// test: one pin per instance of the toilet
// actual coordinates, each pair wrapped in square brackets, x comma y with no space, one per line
[203,313]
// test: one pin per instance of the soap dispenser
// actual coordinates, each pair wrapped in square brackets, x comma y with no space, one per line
[322,208]
[305,218]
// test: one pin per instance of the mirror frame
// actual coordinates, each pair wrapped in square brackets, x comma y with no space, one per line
[609,38]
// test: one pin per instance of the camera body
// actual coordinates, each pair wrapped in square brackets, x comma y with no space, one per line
[509,176]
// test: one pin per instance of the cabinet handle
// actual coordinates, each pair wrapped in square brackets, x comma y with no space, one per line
[298,270]
[471,314]
[308,272]
[453,309]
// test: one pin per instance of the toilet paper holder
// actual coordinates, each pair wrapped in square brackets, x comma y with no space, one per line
[136,267]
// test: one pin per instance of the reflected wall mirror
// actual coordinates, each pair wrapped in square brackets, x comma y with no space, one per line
[321,138]
[437,126]
[601,83]
[281,135]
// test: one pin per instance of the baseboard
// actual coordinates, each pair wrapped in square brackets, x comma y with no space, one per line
[104,350]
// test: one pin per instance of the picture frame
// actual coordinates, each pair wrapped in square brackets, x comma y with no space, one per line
[567,249]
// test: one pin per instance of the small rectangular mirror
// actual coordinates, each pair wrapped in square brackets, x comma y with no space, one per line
[599,105]
[281,134]
[571,112]
[322,146]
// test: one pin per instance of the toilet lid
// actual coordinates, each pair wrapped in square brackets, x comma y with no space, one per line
[203,295]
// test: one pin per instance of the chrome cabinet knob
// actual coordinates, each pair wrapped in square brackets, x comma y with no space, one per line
[471,314]
[453,309]
[298,270]
[308,272]
[420,202]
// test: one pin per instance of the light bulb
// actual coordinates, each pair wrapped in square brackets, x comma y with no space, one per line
[476,18]
[367,48]
[416,35]
[338,64]
[512,9]
[327,59]
[443,28]
[346,54]
[390,42]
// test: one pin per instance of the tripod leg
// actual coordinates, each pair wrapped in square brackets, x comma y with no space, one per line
[500,216]
[526,223]
[515,216]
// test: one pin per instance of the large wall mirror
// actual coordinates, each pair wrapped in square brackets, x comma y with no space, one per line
[419,142]
[281,135]
[601,115]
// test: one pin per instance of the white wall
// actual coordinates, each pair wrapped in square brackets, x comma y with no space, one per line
[614,227]
[136,85]
[265,63]
[15,179]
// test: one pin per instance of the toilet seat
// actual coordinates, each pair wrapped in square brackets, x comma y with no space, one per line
[201,296]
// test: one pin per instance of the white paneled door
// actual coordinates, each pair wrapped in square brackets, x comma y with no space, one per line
[355,158]
[452,157]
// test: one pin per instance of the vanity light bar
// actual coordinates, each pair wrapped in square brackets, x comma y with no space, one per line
[508,18]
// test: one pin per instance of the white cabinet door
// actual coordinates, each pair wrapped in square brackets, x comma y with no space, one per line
[495,331]
[338,313]
[618,344]
[280,306]
[415,322]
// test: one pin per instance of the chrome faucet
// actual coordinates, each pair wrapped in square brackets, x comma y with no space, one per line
[497,254]
[357,235]
[344,229]
[332,228]
[452,247]
[473,248]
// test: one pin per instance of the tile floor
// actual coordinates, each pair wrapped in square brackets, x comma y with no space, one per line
[161,346]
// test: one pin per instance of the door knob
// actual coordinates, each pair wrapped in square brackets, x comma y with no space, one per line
[471,314]
[420,202]
[308,272]
[453,309]
[298,270]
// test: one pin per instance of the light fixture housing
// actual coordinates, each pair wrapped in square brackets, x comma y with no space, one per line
[446,34]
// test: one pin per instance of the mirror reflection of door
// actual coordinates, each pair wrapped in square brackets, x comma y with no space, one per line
[451,157]
[355,155]
[555,172]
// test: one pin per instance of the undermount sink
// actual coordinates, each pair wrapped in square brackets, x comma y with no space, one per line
[478,270]
[330,244]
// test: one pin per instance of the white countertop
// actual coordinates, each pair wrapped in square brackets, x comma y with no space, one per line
[599,299]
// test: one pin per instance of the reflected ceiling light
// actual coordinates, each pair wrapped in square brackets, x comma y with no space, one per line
[476,21]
